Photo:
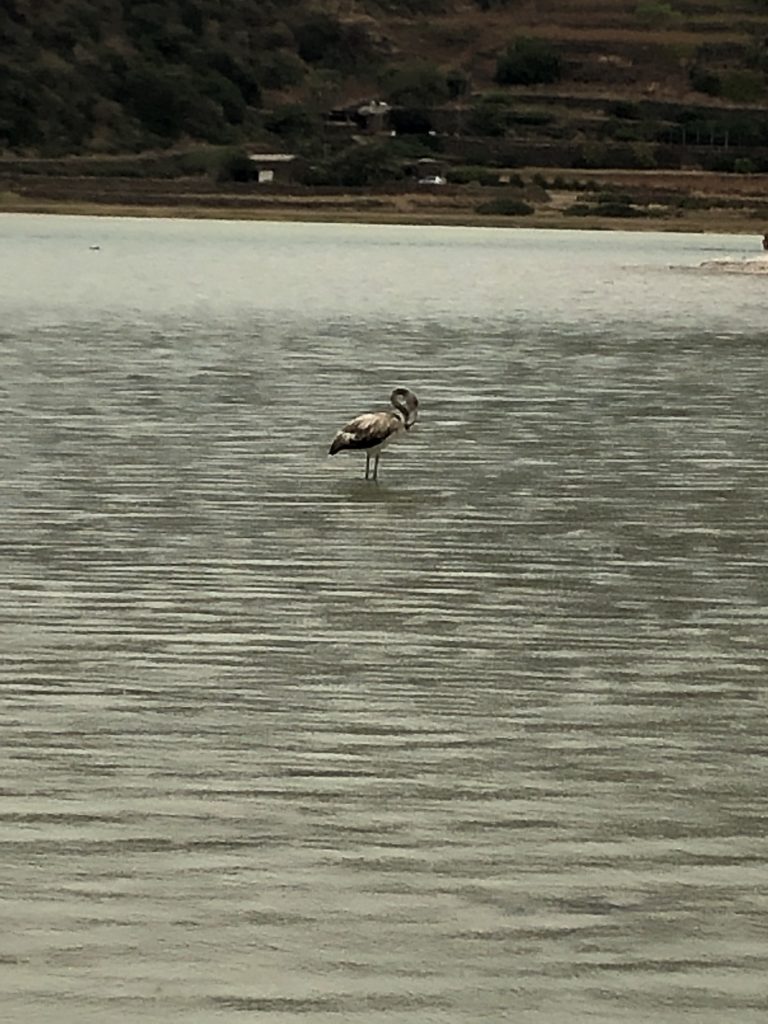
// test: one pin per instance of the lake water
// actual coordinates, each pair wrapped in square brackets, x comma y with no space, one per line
[483,742]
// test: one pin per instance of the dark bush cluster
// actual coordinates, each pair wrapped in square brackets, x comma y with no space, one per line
[121,75]
[506,207]
[528,62]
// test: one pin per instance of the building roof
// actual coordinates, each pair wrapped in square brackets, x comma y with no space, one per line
[272,158]
[373,107]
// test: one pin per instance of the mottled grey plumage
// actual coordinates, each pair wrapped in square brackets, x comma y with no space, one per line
[373,431]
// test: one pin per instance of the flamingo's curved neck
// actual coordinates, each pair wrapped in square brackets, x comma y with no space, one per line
[401,407]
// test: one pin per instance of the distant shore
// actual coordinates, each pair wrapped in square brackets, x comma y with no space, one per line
[695,222]
[691,202]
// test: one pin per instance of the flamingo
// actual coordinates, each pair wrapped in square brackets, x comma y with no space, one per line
[373,431]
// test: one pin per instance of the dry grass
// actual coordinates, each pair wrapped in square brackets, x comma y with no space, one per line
[707,183]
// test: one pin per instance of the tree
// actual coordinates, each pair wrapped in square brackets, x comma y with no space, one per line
[239,71]
[488,118]
[170,101]
[19,100]
[416,85]
[158,98]
[291,121]
[344,46]
[374,163]
[528,62]
[410,121]
[237,166]
[282,69]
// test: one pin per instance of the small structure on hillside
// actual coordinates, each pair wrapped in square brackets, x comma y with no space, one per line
[275,168]
[427,167]
[370,117]
[374,116]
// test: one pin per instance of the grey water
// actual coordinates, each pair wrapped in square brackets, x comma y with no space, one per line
[484,741]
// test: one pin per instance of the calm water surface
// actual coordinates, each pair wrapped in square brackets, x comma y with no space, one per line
[485,742]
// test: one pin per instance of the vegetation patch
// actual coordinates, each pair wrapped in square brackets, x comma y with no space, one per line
[657,14]
[506,207]
[528,62]
[612,203]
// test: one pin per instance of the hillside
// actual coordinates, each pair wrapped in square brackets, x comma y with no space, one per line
[593,113]
[119,76]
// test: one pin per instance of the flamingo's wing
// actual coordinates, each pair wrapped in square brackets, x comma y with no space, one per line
[366,431]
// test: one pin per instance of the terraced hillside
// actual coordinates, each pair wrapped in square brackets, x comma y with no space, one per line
[638,113]
[117,76]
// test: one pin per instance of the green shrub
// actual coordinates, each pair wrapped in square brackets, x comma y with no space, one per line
[607,208]
[629,156]
[592,155]
[528,61]
[375,163]
[236,165]
[159,99]
[225,94]
[609,197]
[488,119]
[656,14]
[743,165]
[416,85]
[532,118]
[617,209]
[240,73]
[278,36]
[291,121]
[643,156]
[282,69]
[692,203]
[579,210]
[470,175]
[623,109]
[410,121]
[743,86]
[343,45]
[319,37]
[705,81]
[506,207]
[622,131]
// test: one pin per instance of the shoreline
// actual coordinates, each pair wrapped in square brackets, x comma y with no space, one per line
[689,222]
[683,201]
